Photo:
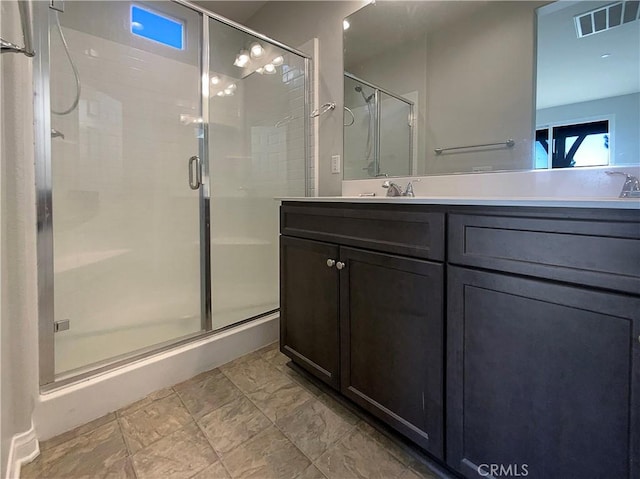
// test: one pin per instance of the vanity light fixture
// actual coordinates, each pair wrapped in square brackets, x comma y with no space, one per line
[242,59]
[256,50]
[231,87]
[269,69]
[215,80]
[345,24]
[277,61]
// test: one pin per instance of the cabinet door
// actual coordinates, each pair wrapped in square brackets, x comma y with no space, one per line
[391,327]
[309,307]
[541,377]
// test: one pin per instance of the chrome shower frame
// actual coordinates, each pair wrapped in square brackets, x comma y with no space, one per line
[378,114]
[42,17]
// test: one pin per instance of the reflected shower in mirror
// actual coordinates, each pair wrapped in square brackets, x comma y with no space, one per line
[378,131]
[588,84]
[468,70]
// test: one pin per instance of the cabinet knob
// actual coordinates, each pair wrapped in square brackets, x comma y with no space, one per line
[340,265]
[331,262]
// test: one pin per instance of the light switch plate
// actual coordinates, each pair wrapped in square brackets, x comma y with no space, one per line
[335,164]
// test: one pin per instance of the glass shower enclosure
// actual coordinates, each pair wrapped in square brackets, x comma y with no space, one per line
[163,134]
[378,131]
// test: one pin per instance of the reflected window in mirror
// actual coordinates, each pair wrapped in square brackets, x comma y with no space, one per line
[575,145]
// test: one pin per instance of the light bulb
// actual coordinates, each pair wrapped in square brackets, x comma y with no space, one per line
[277,61]
[220,93]
[269,68]
[256,50]
[242,59]
[260,70]
[345,24]
[231,87]
[215,80]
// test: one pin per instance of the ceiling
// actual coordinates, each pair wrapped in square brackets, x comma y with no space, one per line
[239,10]
[569,69]
[572,70]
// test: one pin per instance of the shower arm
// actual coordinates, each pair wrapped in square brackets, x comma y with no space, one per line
[27,32]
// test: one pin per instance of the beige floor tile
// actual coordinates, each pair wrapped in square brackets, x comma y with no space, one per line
[278,399]
[301,380]
[96,453]
[80,430]
[253,374]
[413,474]
[396,450]
[269,455]
[339,409]
[214,471]
[275,357]
[180,455]
[401,452]
[212,391]
[358,455]
[233,424]
[311,472]
[154,396]
[313,427]
[153,422]
[122,469]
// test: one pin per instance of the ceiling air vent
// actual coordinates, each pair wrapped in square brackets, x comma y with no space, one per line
[605,18]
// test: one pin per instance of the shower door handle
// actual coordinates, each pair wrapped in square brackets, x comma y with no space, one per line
[195,180]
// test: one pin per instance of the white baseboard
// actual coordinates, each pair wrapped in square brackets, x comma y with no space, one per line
[24,449]
[65,408]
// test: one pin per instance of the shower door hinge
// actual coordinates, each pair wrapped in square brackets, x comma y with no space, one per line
[57,5]
[60,325]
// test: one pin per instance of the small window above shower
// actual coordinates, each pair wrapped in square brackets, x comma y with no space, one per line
[157,27]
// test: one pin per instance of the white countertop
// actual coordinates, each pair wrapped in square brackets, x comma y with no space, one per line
[556,202]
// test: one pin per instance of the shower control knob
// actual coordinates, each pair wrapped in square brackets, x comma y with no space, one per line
[331,262]
[340,265]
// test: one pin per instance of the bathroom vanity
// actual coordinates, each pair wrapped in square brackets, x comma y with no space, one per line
[504,333]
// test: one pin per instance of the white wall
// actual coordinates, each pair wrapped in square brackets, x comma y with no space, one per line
[295,23]
[624,112]
[18,297]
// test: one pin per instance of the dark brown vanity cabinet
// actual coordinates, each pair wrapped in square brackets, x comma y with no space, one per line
[368,320]
[309,330]
[543,366]
[539,374]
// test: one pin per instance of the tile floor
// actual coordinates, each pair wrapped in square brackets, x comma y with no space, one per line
[252,418]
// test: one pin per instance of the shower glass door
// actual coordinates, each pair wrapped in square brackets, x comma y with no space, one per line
[257,152]
[126,117]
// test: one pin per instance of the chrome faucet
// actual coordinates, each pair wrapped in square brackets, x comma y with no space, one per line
[631,186]
[393,189]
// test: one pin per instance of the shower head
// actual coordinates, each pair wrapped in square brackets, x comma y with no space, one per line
[367,99]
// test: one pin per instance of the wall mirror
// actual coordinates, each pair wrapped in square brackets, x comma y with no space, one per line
[467,73]
[588,84]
